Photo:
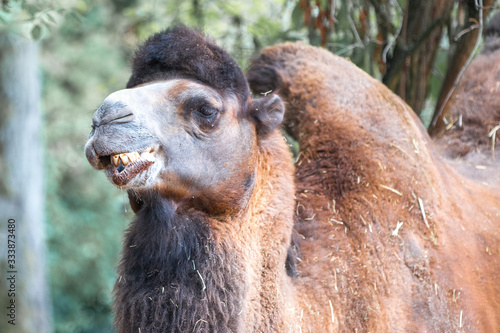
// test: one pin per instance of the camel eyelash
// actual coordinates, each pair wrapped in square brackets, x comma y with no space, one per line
[207,111]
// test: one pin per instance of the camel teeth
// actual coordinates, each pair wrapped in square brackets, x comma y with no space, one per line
[134,156]
[115,159]
[148,156]
[124,158]
[127,158]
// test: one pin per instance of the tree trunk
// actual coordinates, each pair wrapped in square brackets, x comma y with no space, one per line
[409,68]
[21,189]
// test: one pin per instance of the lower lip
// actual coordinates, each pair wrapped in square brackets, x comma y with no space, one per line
[131,172]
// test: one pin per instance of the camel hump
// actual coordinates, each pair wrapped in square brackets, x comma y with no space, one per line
[348,125]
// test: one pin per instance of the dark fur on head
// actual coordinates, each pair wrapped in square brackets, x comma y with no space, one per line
[180,52]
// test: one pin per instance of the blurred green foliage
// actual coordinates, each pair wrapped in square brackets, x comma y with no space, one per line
[35,19]
[85,215]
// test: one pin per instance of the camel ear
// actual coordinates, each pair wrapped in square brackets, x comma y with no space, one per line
[262,78]
[268,112]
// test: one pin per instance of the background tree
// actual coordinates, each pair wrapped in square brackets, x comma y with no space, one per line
[22,194]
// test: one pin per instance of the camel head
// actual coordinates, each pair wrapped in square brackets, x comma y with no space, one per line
[186,125]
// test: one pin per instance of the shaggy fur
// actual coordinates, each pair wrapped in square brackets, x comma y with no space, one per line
[175,276]
[493,27]
[492,44]
[390,239]
[388,234]
[184,271]
[186,267]
[476,101]
[182,52]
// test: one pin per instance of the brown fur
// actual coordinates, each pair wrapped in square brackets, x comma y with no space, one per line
[216,209]
[477,101]
[212,192]
[364,161]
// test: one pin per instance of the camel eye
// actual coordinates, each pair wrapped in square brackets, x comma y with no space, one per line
[206,117]
[207,111]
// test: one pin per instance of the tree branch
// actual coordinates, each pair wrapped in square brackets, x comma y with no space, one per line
[410,50]
[384,19]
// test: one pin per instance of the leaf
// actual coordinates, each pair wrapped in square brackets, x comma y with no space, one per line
[36,32]
[76,16]
[50,18]
[31,9]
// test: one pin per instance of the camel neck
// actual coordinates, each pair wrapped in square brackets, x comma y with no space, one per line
[174,276]
[183,271]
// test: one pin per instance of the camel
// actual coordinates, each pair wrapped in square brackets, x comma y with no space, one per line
[467,143]
[368,231]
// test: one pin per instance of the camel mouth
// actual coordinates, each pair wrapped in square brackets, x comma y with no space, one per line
[129,168]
